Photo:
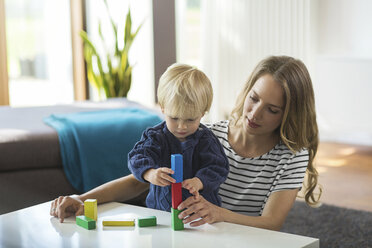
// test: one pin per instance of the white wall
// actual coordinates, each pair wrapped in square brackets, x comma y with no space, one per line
[332,37]
[343,88]
[342,72]
[237,34]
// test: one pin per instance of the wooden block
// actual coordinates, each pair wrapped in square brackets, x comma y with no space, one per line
[177,167]
[177,223]
[85,222]
[118,222]
[90,208]
[147,221]
[176,194]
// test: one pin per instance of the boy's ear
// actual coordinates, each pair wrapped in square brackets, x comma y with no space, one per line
[162,110]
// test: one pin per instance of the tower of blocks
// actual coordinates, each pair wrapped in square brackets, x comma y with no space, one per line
[177,167]
[90,208]
[88,220]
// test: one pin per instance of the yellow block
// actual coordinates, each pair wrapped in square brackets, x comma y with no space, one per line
[90,208]
[118,222]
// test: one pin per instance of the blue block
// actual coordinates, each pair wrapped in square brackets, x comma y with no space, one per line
[177,167]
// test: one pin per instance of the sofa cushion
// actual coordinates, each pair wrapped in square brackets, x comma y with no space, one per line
[95,145]
[26,142]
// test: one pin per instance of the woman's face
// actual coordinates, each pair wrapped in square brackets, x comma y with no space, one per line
[263,107]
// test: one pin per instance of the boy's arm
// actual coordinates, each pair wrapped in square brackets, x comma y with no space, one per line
[214,165]
[145,155]
[144,159]
[159,176]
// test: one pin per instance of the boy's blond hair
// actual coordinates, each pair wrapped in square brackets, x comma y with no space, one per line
[184,91]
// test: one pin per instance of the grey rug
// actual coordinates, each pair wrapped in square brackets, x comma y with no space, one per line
[333,226]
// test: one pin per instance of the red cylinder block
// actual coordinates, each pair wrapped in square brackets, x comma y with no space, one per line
[176,194]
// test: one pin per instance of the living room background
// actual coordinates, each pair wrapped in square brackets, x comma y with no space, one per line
[223,38]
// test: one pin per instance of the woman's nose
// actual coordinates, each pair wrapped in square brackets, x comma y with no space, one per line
[256,112]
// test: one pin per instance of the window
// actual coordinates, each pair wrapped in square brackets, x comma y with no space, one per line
[188,28]
[39,52]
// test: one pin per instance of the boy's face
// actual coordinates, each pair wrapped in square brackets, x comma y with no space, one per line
[181,128]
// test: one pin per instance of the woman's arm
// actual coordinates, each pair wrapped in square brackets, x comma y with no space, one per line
[273,216]
[121,189]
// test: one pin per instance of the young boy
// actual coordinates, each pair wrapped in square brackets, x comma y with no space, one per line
[185,95]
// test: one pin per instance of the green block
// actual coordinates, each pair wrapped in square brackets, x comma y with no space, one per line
[85,222]
[177,223]
[147,221]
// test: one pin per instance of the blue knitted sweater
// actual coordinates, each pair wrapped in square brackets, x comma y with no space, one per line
[203,157]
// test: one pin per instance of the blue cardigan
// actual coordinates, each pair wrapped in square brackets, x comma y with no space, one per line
[203,157]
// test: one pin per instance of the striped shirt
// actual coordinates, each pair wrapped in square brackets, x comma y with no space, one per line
[251,180]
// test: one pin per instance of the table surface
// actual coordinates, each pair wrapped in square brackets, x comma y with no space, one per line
[34,227]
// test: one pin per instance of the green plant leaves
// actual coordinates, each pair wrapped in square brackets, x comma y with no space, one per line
[117,79]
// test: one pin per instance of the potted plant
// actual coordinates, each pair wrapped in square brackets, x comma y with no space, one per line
[116,78]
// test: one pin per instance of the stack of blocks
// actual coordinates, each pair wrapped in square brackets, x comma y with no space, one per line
[177,167]
[88,220]
[90,208]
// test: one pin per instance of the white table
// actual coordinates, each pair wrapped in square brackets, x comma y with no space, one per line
[33,227]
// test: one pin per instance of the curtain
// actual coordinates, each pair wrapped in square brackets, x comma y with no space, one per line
[237,34]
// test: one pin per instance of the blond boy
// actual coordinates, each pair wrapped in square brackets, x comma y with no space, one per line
[185,95]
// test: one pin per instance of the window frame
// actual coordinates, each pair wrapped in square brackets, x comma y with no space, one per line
[77,16]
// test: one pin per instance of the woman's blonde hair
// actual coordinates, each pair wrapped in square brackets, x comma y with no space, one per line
[298,128]
[184,91]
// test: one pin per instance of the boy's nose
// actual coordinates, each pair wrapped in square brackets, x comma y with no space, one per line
[181,125]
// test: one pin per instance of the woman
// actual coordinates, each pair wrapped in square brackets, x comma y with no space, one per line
[271,139]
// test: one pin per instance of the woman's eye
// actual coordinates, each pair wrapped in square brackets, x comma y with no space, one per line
[253,99]
[273,111]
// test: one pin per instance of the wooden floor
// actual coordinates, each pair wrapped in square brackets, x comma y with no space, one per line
[346,175]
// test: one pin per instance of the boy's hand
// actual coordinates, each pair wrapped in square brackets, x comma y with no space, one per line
[159,176]
[193,185]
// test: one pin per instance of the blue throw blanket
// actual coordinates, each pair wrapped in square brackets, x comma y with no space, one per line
[94,145]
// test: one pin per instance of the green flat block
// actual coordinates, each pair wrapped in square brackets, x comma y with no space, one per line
[85,222]
[177,223]
[147,221]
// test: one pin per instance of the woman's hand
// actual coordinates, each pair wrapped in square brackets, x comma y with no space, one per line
[66,206]
[196,207]
[159,176]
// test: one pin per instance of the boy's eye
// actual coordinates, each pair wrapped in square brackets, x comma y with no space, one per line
[190,120]
[174,118]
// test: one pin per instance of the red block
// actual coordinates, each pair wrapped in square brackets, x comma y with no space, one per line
[176,194]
